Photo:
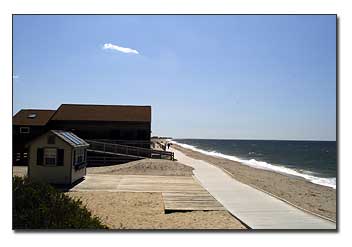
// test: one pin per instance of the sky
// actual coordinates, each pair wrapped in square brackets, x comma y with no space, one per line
[218,77]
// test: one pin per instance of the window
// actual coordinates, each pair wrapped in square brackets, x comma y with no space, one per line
[79,156]
[51,139]
[50,156]
[24,130]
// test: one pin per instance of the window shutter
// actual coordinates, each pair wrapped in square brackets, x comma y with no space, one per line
[40,156]
[60,157]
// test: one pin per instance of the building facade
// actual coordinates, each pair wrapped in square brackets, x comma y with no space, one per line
[127,125]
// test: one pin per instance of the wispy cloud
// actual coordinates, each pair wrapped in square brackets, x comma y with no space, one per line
[15,76]
[109,46]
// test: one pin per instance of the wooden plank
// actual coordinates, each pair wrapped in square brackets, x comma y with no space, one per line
[159,177]
[186,201]
[140,183]
[151,189]
[191,208]
[200,193]
[161,189]
[178,193]
[186,198]
[132,181]
[208,202]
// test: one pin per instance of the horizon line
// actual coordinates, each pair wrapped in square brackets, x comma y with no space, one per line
[253,139]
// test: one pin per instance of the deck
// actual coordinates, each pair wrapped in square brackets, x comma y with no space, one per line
[179,193]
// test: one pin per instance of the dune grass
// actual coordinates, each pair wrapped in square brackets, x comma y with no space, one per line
[41,206]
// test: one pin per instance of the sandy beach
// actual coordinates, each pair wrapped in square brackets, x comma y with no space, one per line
[144,167]
[121,210]
[124,210]
[144,210]
[312,197]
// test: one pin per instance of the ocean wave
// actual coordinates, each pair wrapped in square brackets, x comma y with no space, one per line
[329,182]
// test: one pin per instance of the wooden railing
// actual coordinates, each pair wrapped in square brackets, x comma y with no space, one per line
[96,160]
[135,143]
[129,150]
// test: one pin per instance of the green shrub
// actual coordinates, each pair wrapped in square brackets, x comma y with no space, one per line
[41,206]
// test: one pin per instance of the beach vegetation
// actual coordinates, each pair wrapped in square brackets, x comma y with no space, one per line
[40,206]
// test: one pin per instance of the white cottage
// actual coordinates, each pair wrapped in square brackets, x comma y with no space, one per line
[57,157]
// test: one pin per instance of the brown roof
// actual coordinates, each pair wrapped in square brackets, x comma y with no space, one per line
[126,113]
[40,118]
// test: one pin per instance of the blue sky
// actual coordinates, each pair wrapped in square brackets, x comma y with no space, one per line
[237,77]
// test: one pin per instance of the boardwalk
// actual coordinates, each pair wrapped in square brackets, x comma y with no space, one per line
[256,209]
[179,193]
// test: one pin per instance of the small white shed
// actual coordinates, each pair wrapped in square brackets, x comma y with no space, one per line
[57,157]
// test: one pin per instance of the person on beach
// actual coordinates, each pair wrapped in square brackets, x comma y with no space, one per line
[168,145]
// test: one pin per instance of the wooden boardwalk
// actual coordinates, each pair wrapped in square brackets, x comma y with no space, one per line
[256,209]
[179,193]
[187,201]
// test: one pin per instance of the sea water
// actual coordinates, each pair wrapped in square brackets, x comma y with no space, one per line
[315,161]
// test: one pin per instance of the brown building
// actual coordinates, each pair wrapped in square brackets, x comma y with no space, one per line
[124,124]
[28,124]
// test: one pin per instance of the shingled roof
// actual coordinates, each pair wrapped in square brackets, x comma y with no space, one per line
[126,113]
[32,117]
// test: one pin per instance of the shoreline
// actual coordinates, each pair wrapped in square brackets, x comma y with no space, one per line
[298,191]
[263,165]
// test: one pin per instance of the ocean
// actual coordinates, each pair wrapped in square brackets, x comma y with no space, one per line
[315,161]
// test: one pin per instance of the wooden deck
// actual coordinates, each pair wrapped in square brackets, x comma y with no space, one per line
[179,193]
[187,201]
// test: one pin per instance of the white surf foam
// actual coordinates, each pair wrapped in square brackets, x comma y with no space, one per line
[329,182]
